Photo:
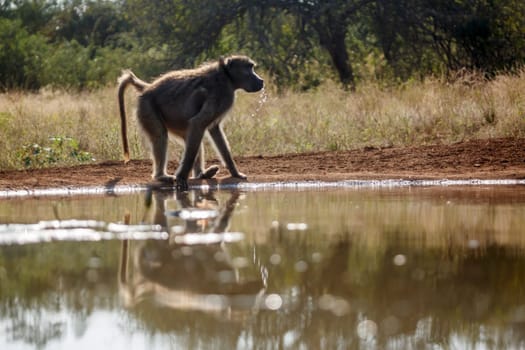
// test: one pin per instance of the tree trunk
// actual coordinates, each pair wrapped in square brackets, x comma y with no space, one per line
[336,47]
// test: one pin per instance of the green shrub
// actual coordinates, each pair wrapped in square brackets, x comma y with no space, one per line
[62,150]
[21,56]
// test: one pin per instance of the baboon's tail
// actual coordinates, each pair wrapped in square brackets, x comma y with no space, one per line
[126,79]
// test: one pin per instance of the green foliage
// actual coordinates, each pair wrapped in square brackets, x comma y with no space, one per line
[21,55]
[419,37]
[83,44]
[61,150]
[66,66]
[93,22]
[289,62]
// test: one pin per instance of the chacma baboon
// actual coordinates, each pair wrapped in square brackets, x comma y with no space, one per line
[187,103]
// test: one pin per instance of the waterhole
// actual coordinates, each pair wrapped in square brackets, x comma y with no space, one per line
[383,267]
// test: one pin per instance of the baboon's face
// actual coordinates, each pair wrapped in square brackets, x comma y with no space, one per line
[244,76]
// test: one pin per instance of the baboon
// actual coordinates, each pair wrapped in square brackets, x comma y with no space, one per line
[187,104]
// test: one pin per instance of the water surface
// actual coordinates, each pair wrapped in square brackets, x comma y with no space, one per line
[396,268]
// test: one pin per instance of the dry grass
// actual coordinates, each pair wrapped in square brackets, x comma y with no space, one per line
[329,118]
[415,113]
[89,117]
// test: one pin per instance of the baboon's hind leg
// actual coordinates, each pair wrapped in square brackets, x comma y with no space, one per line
[157,135]
[198,167]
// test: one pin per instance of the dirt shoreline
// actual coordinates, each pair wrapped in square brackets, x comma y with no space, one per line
[502,158]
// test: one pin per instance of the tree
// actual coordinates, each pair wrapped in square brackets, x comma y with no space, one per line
[326,21]
[21,56]
[330,21]
[195,27]
[271,36]
[187,28]
[89,22]
[421,35]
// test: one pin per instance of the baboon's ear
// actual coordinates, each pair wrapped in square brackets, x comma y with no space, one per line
[223,61]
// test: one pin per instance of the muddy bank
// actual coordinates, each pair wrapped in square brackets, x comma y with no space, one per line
[477,159]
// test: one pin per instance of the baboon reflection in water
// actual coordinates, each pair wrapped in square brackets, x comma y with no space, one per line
[184,276]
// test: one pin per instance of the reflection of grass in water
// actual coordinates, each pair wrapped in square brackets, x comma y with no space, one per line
[268,123]
[414,217]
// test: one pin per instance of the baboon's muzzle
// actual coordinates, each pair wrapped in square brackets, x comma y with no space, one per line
[256,85]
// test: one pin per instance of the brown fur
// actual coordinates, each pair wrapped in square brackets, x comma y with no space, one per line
[188,103]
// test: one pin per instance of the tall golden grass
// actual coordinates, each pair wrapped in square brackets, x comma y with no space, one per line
[329,118]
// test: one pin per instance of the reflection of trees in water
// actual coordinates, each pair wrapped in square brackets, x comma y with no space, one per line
[424,297]
[433,296]
[41,280]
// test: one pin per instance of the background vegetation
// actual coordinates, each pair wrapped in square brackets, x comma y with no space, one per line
[342,73]
[82,43]
[327,118]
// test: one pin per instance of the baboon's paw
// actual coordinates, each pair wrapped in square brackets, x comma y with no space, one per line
[209,173]
[182,184]
[240,176]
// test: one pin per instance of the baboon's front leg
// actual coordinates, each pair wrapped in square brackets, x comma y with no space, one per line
[223,147]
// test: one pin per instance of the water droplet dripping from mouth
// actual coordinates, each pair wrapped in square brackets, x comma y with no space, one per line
[263,97]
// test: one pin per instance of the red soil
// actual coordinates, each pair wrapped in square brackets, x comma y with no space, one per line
[478,159]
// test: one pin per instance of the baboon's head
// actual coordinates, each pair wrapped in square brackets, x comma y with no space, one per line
[240,69]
